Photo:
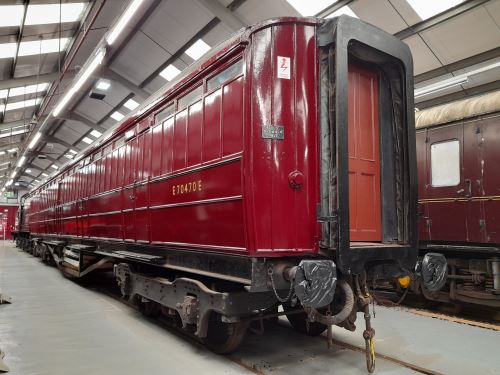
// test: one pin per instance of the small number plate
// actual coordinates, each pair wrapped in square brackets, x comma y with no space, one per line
[273,132]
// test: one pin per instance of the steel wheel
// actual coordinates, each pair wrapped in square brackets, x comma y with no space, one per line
[223,338]
[299,322]
[150,308]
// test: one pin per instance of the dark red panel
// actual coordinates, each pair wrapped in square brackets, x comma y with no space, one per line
[232,117]
[211,126]
[168,145]
[156,151]
[194,129]
[180,140]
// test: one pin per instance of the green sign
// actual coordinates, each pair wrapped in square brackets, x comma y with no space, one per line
[10,194]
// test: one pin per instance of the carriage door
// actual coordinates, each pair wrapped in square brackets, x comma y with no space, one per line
[128,192]
[364,156]
[446,191]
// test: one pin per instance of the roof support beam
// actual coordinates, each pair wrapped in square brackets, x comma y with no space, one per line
[77,117]
[462,94]
[439,18]
[54,139]
[31,80]
[223,14]
[461,64]
[112,75]
[19,37]
[208,27]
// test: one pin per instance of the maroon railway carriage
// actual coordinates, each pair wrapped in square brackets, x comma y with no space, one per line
[279,169]
[458,148]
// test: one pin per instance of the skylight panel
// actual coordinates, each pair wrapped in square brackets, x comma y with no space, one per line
[42,14]
[131,104]
[7,49]
[25,90]
[170,72]
[310,7]
[345,10]
[198,49]
[35,47]
[103,84]
[95,133]
[117,116]
[11,15]
[429,8]
[87,140]
[22,104]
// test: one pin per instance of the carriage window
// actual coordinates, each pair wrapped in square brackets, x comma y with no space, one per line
[445,164]
[232,71]
[190,97]
[165,113]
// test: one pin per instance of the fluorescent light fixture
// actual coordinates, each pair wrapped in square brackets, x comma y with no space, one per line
[4,94]
[170,72]
[87,140]
[447,83]
[87,71]
[45,174]
[34,140]
[131,104]
[12,15]
[198,49]
[429,8]
[17,184]
[73,152]
[117,116]
[12,150]
[123,21]
[25,90]
[37,181]
[54,166]
[2,153]
[36,47]
[7,162]
[13,174]
[345,10]
[28,170]
[310,7]
[8,183]
[21,104]
[21,161]
[69,156]
[95,133]
[103,84]
[43,14]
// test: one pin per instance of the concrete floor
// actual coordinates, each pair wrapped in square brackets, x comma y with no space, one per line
[57,327]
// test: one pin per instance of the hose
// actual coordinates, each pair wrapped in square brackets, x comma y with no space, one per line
[342,314]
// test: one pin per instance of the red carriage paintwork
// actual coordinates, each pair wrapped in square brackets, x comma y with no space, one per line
[205,178]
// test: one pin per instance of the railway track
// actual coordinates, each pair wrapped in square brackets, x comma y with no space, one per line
[110,289]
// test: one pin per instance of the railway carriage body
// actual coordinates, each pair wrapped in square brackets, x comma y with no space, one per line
[288,150]
[459,205]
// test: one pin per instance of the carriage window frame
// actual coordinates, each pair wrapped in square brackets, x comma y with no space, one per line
[445,163]
[231,71]
[190,97]
[165,113]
